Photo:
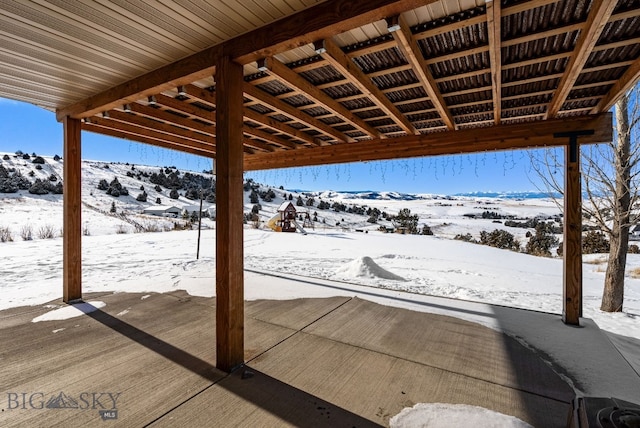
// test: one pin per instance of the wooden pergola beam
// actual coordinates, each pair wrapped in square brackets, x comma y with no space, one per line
[599,14]
[292,79]
[622,86]
[495,56]
[169,118]
[411,51]
[229,217]
[286,109]
[154,125]
[273,138]
[281,127]
[204,143]
[501,137]
[331,52]
[72,210]
[146,140]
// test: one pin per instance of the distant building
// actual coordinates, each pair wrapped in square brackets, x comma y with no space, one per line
[634,233]
[190,209]
[163,211]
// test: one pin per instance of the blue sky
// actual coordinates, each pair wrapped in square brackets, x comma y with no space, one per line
[32,129]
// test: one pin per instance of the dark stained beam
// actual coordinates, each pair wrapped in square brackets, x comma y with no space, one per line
[502,137]
[72,210]
[229,214]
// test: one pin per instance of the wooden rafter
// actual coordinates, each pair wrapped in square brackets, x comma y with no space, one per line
[207,97]
[341,62]
[274,67]
[146,140]
[204,143]
[271,123]
[501,137]
[286,109]
[163,116]
[599,14]
[411,51]
[263,135]
[623,85]
[165,128]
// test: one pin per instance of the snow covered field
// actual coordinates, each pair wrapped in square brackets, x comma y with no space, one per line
[342,247]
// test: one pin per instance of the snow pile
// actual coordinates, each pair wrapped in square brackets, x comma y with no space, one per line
[438,415]
[71,311]
[367,268]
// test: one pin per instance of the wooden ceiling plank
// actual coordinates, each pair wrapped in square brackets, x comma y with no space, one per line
[294,80]
[411,51]
[622,86]
[345,66]
[599,14]
[474,140]
[286,109]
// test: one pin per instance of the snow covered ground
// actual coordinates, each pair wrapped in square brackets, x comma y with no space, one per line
[343,248]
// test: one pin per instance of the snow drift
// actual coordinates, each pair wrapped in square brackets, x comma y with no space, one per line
[366,267]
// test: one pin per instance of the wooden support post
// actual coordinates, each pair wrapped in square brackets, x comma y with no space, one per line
[572,247]
[229,233]
[72,207]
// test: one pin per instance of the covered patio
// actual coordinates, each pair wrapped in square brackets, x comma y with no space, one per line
[292,83]
[356,359]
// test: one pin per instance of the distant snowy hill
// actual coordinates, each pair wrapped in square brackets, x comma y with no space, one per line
[131,189]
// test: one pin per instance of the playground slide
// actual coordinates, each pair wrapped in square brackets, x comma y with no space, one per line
[273,223]
[304,232]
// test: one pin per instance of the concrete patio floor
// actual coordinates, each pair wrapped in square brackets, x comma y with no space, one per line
[341,361]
